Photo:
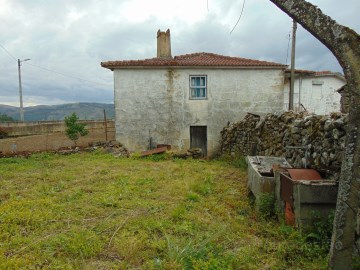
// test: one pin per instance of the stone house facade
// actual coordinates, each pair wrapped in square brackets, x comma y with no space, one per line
[186,100]
[315,92]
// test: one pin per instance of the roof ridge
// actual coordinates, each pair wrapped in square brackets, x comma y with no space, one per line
[216,55]
[195,59]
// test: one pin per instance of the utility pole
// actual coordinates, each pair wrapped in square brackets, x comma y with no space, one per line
[292,74]
[20,90]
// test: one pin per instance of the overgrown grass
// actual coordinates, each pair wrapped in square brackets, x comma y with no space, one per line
[94,211]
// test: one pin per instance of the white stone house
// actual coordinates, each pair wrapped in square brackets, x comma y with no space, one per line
[186,100]
[315,92]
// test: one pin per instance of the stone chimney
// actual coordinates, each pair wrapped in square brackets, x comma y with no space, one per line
[163,44]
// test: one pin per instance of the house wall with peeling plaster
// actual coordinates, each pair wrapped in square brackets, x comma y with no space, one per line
[155,103]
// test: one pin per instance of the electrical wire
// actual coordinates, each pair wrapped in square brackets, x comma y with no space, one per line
[53,71]
[242,10]
[13,57]
[65,75]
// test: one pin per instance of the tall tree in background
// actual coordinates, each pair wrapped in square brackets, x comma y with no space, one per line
[344,43]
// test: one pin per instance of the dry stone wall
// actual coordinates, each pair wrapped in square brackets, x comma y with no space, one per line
[240,138]
[306,140]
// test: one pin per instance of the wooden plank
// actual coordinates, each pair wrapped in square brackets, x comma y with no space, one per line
[154,151]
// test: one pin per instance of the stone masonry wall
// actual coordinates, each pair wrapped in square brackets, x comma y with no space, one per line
[304,139]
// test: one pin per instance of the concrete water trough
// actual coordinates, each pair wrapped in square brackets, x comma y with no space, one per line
[261,173]
[305,196]
[301,194]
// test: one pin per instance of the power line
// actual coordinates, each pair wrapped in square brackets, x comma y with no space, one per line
[13,57]
[66,75]
[53,71]
[242,9]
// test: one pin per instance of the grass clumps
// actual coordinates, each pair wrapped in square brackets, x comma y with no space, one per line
[266,205]
[236,161]
[94,211]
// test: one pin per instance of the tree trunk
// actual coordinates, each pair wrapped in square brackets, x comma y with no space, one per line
[344,43]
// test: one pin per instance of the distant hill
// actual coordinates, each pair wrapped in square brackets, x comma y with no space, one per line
[85,111]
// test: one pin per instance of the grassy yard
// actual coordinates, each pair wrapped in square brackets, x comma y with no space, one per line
[94,211]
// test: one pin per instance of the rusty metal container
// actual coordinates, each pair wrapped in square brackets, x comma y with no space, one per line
[306,193]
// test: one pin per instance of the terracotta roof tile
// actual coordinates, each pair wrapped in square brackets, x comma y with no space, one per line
[311,73]
[315,73]
[324,72]
[192,60]
[301,71]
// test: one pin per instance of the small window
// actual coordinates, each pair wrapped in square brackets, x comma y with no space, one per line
[198,87]
[317,82]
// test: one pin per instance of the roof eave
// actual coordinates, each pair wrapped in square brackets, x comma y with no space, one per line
[193,67]
[337,75]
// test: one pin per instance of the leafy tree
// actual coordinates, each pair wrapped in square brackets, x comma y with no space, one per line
[74,129]
[6,118]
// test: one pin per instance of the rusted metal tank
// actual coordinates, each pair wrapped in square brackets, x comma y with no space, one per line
[306,195]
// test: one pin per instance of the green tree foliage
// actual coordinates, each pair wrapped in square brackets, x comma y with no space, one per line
[74,129]
[6,118]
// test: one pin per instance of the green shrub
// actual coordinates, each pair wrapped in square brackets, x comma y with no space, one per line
[74,129]
[320,230]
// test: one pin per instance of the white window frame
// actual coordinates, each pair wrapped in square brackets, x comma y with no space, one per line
[194,87]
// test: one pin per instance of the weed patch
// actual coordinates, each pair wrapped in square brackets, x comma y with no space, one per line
[266,205]
[236,161]
[320,231]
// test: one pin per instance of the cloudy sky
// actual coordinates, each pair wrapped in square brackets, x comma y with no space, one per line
[66,40]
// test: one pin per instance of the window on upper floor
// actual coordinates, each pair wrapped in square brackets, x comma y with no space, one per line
[198,88]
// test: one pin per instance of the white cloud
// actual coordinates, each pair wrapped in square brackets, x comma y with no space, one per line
[73,37]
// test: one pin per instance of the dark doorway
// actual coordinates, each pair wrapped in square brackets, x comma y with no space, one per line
[198,138]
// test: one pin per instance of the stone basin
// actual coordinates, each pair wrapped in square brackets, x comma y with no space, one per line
[261,173]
